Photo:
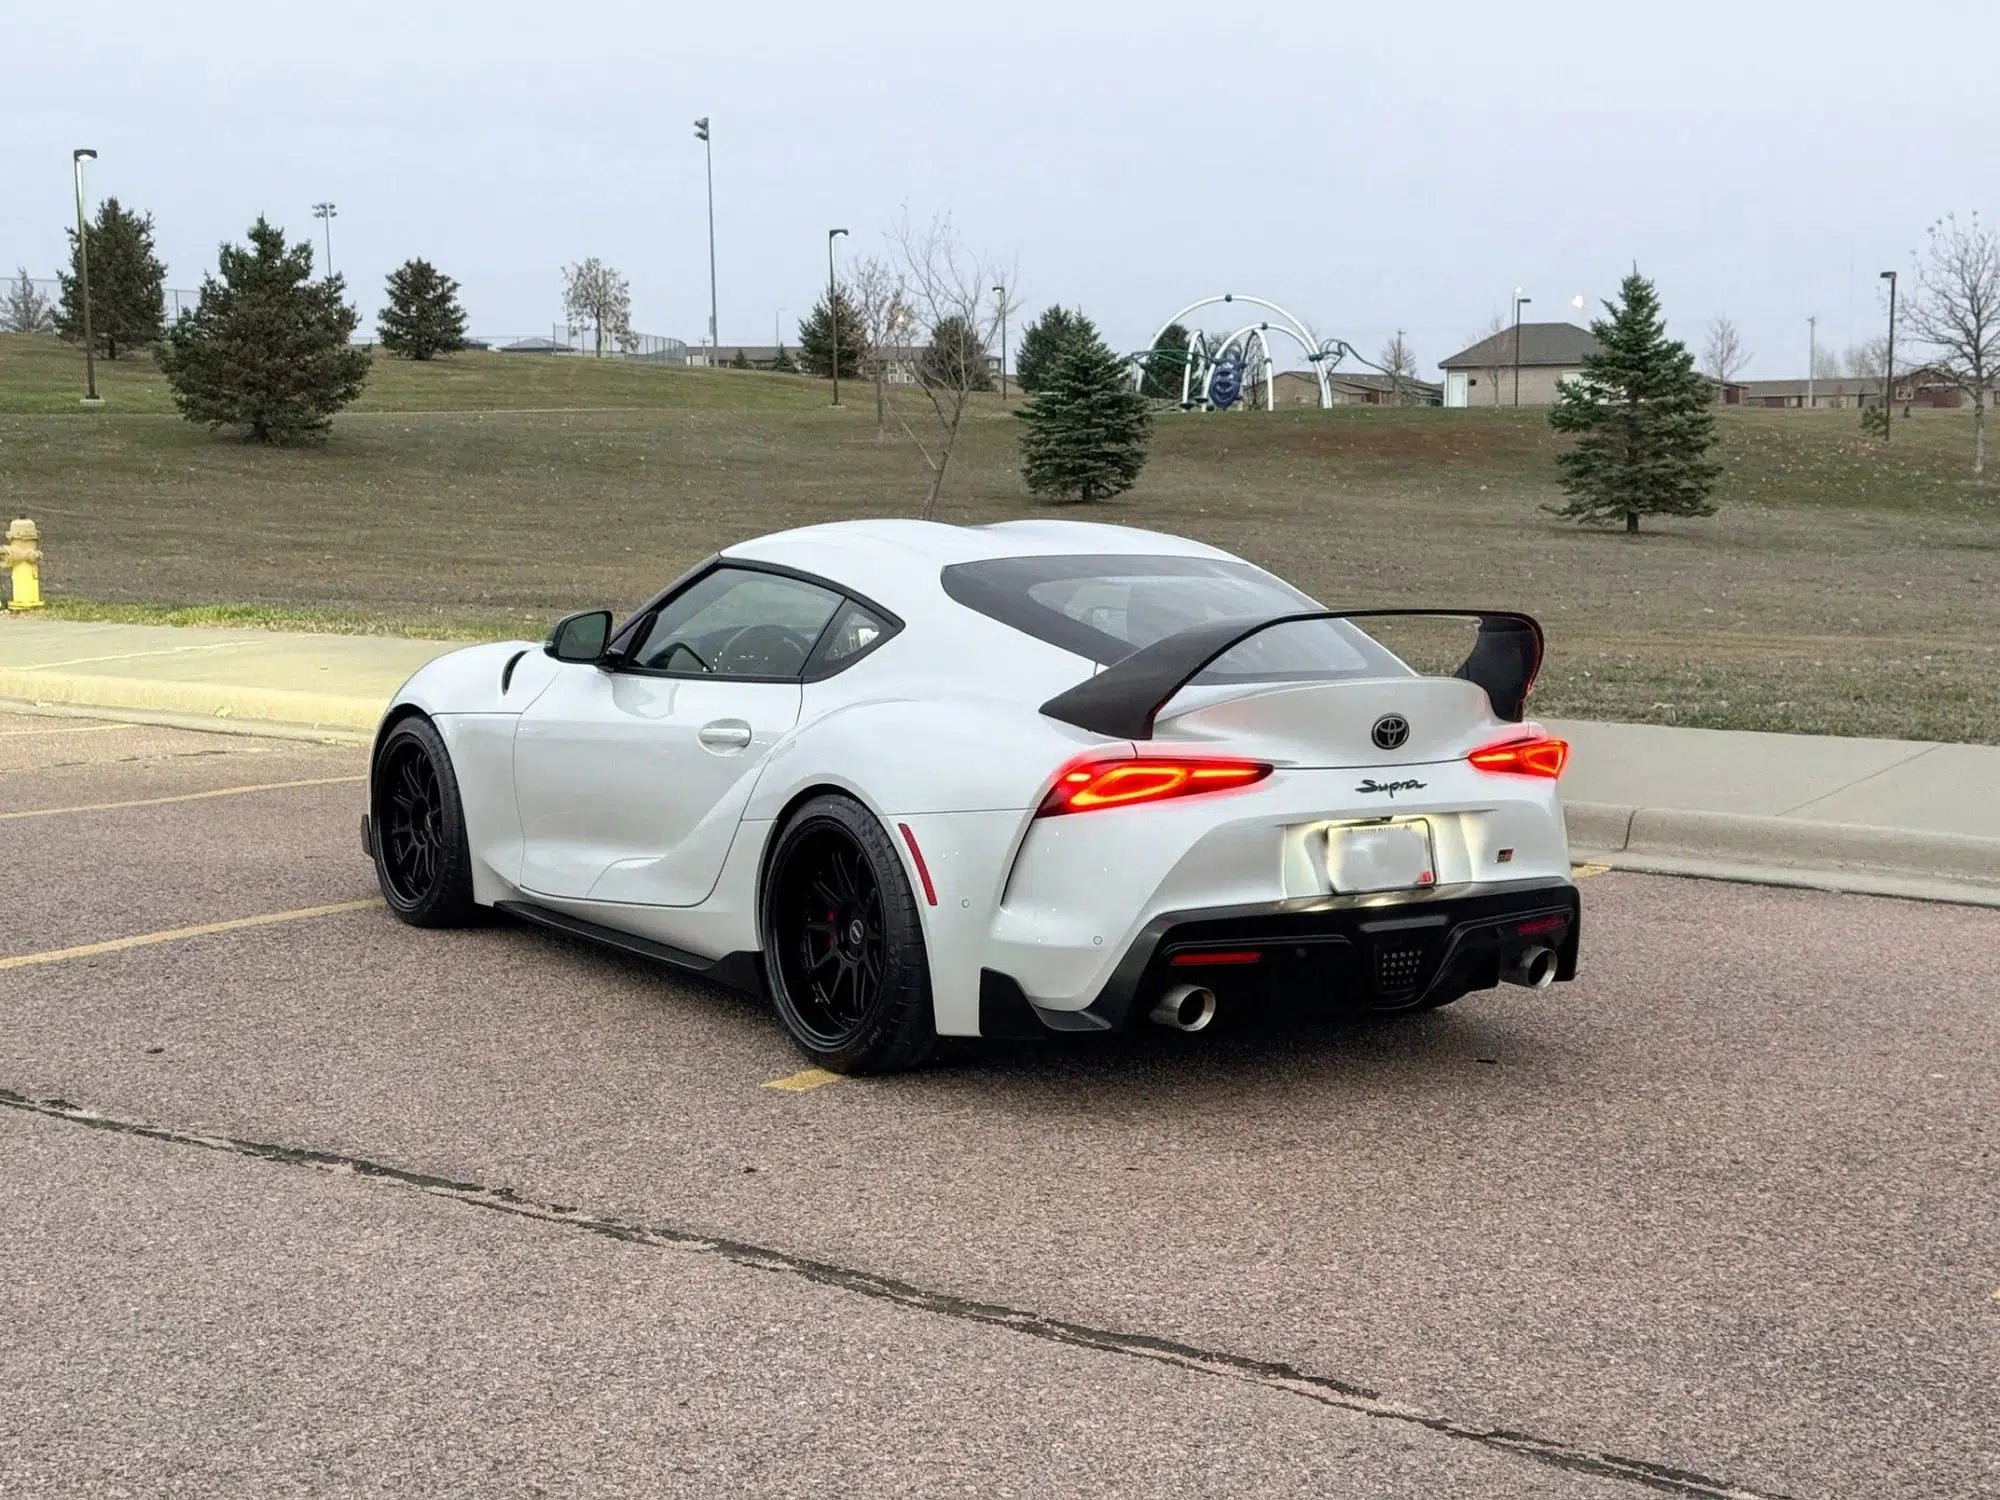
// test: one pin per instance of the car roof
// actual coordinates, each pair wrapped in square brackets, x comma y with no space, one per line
[898,562]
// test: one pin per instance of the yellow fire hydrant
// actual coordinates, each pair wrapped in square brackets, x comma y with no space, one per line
[23,559]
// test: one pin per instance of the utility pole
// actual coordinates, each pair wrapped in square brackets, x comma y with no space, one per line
[777,342]
[833,311]
[77,158]
[1001,293]
[1397,373]
[1519,303]
[1889,362]
[708,152]
[326,213]
[1812,359]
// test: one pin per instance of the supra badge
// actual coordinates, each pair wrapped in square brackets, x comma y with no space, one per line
[1390,731]
[1369,784]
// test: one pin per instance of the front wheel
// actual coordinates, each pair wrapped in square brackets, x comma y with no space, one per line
[843,943]
[421,859]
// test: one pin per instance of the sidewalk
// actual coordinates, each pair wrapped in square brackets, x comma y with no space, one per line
[1890,816]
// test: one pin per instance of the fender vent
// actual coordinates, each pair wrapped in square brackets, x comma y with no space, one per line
[507,672]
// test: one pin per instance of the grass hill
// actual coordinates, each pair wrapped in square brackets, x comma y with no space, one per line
[1847,586]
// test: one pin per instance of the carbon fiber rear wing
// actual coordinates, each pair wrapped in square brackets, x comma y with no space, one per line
[1124,699]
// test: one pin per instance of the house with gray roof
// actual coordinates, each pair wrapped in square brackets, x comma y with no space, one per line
[1486,374]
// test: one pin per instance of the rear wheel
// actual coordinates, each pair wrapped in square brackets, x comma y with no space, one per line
[843,944]
[421,859]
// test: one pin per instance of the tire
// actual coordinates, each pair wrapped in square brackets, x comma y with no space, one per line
[843,944]
[422,862]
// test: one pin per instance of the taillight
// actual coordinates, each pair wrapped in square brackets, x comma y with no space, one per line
[1539,756]
[1124,783]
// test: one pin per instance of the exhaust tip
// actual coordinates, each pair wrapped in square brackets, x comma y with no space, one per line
[1185,1007]
[1533,967]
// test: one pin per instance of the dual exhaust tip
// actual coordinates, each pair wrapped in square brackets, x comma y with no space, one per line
[1190,1007]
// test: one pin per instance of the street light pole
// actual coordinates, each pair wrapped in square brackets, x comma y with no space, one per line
[326,214]
[1889,361]
[77,158]
[708,151]
[1812,358]
[1001,293]
[1519,302]
[833,311]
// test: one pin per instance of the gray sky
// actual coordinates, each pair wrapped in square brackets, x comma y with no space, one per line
[1368,167]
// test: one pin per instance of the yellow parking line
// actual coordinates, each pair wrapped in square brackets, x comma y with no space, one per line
[227,791]
[14,734]
[1584,872]
[176,934]
[799,1083]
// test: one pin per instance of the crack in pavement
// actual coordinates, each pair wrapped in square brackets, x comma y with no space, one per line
[1269,1374]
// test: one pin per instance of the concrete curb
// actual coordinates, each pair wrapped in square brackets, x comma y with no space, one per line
[191,700]
[1834,856]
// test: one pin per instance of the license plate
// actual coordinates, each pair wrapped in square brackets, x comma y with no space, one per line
[1380,857]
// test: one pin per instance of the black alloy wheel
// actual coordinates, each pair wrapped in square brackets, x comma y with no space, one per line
[843,942]
[421,859]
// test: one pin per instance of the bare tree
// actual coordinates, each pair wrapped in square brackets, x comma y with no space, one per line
[24,309]
[1500,357]
[882,306]
[1956,310]
[1825,365]
[1867,360]
[594,293]
[1401,363]
[943,282]
[1723,355]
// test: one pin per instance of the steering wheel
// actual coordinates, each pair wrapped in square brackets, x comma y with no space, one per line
[777,647]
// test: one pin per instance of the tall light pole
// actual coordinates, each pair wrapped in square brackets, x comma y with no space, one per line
[1519,303]
[1001,293]
[777,340]
[1889,361]
[1812,358]
[77,158]
[708,151]
[326,213]
[833,311]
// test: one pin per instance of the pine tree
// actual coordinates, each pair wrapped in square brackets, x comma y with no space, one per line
[268,348]
[423,318]
[1643,419]
[784,364]
[741,362]
[1086,430]
[127,307]
[1046,337]
[955,359]
[25,309]
[1165,363]
[817,332]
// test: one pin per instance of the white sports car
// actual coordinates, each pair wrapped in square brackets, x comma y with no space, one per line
[919,780]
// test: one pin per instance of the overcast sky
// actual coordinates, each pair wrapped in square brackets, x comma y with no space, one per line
[1367,166]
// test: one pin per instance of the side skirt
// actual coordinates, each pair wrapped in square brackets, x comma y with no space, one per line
[740,971]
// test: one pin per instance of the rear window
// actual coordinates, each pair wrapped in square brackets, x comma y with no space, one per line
[1107,607]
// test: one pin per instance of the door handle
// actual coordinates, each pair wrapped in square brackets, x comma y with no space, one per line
[724,735]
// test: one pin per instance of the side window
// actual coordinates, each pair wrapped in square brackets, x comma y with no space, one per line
[854,633]
[735,622]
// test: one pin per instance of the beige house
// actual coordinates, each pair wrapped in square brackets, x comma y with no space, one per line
[1301,388]
[1489,374]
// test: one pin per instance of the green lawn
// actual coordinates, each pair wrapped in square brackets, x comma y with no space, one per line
[1846,587]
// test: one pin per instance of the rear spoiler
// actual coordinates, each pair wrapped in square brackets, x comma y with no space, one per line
[1124,699]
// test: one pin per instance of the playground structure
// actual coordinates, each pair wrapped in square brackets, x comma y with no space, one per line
[1218,376]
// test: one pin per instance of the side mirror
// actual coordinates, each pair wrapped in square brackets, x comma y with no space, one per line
[580,637]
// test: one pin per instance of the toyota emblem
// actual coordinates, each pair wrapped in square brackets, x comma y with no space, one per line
[1390,731]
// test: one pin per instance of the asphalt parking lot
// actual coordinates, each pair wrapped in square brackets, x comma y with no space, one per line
[299,1201]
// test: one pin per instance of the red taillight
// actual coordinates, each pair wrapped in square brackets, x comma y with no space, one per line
[1198,958]
[1122,783]
[1541,756]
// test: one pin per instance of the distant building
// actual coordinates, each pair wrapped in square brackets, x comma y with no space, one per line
[1301,388]
[1484,374]
[900,366]
[1919,386]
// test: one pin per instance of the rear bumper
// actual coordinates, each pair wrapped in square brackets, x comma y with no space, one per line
[1362,952]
